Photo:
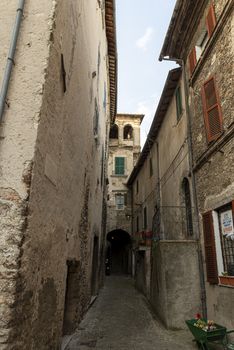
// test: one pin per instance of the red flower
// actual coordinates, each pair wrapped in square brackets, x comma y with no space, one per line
[198,316]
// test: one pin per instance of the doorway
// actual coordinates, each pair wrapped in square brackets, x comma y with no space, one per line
[118,252]
[71,297]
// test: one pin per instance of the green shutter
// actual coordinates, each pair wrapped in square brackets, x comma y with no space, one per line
[119,165]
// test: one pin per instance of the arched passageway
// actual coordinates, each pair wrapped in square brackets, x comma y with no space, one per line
[118,254]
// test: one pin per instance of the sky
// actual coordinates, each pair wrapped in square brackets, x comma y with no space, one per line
[141,29]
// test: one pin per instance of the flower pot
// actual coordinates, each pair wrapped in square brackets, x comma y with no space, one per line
[227,280]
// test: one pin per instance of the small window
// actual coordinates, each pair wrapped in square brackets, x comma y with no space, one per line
[63,71]
[119,166]
[114,132]
[145,218]
[212,110]
[201,43]
[151,167]
[119,201]
[188,206]
[137,224]
[178,103]
[128,132]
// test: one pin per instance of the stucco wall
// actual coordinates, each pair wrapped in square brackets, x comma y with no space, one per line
[48,138]
[175,291]
[169,155]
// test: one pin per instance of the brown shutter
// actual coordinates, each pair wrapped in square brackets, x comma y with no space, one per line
[210,250]
[192,60]
[211,20]
[212,110]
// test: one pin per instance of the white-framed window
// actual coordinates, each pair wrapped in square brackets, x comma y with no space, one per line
[218,230]
[119,201]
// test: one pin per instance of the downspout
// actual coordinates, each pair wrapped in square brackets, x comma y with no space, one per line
[11,55]
[190,152]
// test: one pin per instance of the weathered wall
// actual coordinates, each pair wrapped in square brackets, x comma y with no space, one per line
[64,211]
[170,163]
[17,139]
[130,149]
[214,171]
[175,286]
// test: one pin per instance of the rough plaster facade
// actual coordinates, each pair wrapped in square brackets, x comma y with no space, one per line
[214,162]
[130,150]
[52,165]
[157,189]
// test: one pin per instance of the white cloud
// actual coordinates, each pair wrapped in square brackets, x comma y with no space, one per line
[143,41]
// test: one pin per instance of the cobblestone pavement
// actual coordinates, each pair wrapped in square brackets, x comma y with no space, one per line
[120,319]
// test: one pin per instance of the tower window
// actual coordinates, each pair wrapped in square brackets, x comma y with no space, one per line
[128,132]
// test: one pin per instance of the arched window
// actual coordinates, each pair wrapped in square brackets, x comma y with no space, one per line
[114,132]
[188,206]
[128,132]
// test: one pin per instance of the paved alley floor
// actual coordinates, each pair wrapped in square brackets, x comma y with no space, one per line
[120,319]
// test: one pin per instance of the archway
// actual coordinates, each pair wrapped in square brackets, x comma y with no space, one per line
[119,252]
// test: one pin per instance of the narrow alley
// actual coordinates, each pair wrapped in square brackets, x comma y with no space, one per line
[120,319]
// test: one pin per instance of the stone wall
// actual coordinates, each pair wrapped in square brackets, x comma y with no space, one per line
[214,162]
[53,146]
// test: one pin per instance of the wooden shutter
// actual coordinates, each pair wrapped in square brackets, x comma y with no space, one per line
[212,110]
[119,165]
[210,20]
[210,250]
[192,60]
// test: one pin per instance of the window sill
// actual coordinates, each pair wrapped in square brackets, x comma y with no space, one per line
[227,281]
[116,175]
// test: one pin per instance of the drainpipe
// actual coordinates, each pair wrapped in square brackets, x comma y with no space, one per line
[10,59]
[190,152]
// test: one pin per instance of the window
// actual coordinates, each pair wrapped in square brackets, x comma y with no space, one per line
[119,165]
[128,132]
[206,32]
[178,103]
[63,71]
[96,120]
[218,227]
[188,206]
[226,228]
[145,218]
[151,167]
[201,43]
[119,201]
[114,132]
[212,110]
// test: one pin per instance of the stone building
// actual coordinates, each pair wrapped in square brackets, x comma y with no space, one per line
[200,38]
[124,150]
[166,250]
[53,152]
